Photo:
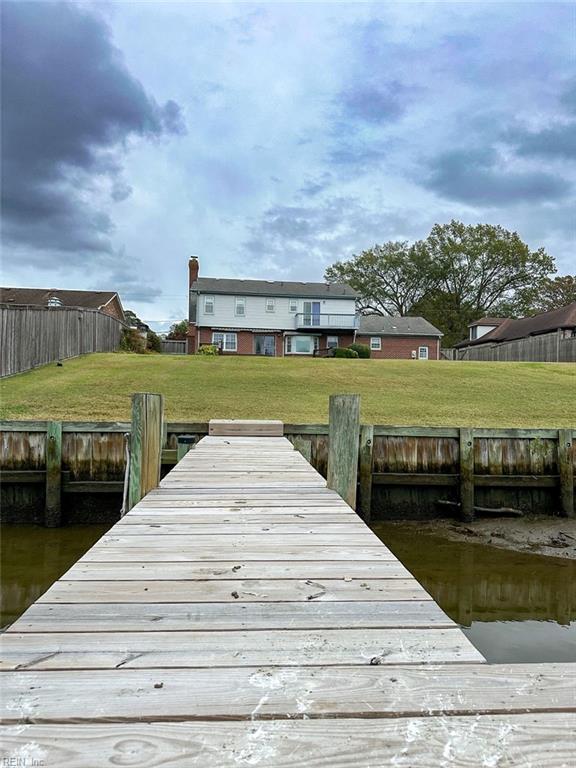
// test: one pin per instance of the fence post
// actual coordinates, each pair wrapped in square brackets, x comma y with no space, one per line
[366,448]
[53,506]
[566,472]
[344,416]
[145,445]
[467,474]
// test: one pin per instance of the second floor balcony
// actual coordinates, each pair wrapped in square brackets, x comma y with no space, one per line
[322,321]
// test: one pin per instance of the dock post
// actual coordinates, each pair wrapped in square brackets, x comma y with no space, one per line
[467,474]
[53,506]
[145,445]
[344,428]
[566,472]
[366,448]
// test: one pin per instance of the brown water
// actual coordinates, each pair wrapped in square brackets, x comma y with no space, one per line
[514,607]
[32,558]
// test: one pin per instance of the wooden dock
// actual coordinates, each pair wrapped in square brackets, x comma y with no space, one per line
[243,615]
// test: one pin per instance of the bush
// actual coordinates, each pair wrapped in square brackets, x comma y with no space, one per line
[153,343]
[362,349]
[345,352]
[132,341]
[210,350]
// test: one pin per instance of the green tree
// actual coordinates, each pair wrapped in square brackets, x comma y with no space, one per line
[553,293]
[178,331]
[390,278]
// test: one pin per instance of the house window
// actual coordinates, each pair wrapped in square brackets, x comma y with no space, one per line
[301,345]
[208,305]
[474,332]
[422,353]
[293,305]
[240,306]
[270,305]
[225,341]
[332,342]
[375,343]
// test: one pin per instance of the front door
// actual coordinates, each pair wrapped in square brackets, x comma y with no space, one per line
[265,345]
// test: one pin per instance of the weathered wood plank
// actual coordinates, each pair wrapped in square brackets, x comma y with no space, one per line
[232,590]
[201,553]
[157,617]
[300,648]
[182,541]
[245,428]
[466,474]
[544,740]
[365,470]
[394,691]
[136,571]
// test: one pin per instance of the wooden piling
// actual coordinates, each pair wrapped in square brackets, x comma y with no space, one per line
[366,450]
[344,414]
[185,442]
[467,474]
[53,506]
[566,472]
[145,445]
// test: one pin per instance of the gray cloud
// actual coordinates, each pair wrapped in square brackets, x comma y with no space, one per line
[556,142]
[69,107]
[478,177]
[375,103]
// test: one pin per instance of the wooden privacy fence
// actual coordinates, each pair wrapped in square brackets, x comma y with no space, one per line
[176,347]
[403,472]
[33,336]
[544,348]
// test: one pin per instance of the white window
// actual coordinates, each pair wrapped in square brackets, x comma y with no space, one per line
[293,305]
[208,305]
[301,345]
[332,342]
[270,305]
[225,341]
[240,306]
[422,353]
[375,342]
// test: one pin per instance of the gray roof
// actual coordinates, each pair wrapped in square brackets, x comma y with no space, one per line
[378,325]
[273,288]
[40,296]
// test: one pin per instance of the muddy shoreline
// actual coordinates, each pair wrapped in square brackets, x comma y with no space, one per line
[553,537]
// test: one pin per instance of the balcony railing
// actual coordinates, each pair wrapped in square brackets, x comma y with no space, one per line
[321,320]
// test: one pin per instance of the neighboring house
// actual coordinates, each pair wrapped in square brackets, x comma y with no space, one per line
[105,301]
[485,325]
[282,318]
[560,322]
[399,337]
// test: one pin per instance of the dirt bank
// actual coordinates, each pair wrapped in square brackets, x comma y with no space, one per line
[555,537]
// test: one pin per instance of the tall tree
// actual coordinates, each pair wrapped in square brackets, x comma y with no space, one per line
[178,331]
[553,293]
[482,266]
[389,278]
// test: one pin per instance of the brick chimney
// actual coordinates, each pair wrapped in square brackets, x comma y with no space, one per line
[193,269]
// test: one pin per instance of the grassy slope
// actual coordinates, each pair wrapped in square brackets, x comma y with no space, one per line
[98,387]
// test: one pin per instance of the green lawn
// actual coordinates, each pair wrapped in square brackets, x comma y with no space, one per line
[98,387]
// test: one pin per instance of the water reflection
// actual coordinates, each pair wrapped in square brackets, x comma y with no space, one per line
[514,607]
[33,558]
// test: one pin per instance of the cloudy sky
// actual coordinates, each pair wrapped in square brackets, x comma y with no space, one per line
[272,139]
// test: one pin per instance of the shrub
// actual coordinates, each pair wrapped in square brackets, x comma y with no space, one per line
[345,352]
[132,341]
[210,350]
[153,343]
[362,349]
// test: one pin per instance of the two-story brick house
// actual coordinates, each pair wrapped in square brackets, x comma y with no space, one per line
[274,318]
[284,318]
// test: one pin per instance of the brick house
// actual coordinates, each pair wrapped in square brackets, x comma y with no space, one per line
[399,338]
[283,318]
[105,301]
